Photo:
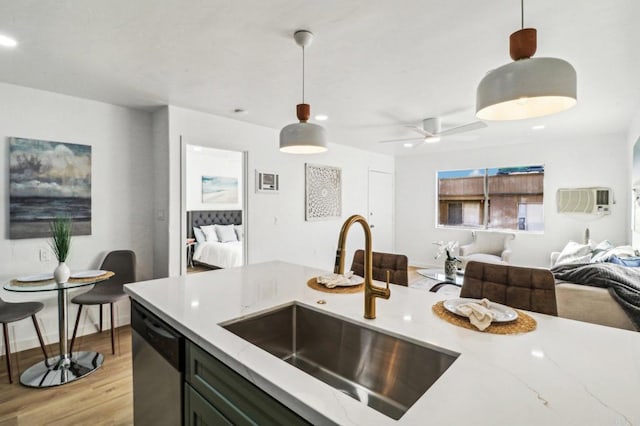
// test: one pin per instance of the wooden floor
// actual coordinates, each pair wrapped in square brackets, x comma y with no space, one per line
[103,398]
[197,268]
[413,274]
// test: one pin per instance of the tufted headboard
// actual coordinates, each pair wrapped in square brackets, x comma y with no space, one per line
[212,217]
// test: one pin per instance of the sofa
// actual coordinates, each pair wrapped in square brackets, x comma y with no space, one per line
[589,304]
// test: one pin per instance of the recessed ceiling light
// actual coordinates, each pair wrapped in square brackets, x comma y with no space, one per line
[432,139]
[408,145]
[538,127]
[322,117]
[7,41]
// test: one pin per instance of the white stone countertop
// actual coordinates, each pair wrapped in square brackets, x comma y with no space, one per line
[563,373]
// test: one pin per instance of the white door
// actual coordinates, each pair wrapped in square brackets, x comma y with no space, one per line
[381,210]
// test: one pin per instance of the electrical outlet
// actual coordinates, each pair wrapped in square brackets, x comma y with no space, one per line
[45,254]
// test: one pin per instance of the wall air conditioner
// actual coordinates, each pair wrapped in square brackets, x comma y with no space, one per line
[584,200]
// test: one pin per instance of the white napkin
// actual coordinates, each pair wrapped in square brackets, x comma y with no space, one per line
[333,280]
[479,313]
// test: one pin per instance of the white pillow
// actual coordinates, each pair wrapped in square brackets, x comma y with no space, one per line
[210,232]
[239,231]
[226,233]
[199,234]
[574,253]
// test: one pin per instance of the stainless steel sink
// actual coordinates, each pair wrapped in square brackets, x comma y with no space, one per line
[386,373]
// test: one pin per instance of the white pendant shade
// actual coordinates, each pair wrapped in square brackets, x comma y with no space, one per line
[303,138]
[527,88]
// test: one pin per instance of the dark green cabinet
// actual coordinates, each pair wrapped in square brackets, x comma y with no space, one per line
[198,412]
[217,395]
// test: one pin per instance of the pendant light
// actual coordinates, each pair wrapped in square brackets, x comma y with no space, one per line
[528,87]
[303,137]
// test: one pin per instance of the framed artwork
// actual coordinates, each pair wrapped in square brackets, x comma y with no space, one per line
[323,194]
[48,179]
[267,182]
[219,190]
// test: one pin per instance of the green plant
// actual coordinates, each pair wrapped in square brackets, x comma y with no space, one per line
[61,237]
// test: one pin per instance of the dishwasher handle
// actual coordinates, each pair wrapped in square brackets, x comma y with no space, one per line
[157,330]
[162,337]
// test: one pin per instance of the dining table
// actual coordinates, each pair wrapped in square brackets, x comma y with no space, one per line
[67,366]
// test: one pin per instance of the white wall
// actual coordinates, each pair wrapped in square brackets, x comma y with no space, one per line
[276,226]
[211,162]
[121,193]
[594,161]
[160,132]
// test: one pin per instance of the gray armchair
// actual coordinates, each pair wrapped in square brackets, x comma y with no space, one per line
[487,247]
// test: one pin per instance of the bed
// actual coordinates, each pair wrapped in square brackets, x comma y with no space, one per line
[215,254]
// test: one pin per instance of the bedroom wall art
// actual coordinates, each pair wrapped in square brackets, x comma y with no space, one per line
[323,193]
[219,190]
[48,179]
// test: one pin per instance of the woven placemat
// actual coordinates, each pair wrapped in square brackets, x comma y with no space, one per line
[523,324]
[313,283]
[99,278]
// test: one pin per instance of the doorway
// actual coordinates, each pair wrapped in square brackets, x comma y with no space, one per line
[214,232]
[381,210]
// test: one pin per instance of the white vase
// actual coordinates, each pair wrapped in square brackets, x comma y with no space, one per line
[62,273]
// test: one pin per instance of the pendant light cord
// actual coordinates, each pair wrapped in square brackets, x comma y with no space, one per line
[522,14]
[302,74]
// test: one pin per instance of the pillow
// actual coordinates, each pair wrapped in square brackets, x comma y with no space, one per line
[574,253]
[226,233]
[199,234]
[210,232]
[239,231]
[633,262]
[601,251]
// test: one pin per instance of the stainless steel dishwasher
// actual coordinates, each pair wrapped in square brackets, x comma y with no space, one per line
[158,366]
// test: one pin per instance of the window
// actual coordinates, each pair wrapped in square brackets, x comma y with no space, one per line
[497,198]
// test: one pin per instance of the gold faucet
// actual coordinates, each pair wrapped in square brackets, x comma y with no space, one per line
[370,291]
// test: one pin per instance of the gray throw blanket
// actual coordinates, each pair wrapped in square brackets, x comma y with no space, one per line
[622,282]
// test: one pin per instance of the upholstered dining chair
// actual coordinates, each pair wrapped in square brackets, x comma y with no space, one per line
[531,289]
[397,264]
[123,264]
[12,312]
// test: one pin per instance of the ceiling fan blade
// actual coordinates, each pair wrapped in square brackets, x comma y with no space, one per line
[464,128]
[403,140]
[420,130]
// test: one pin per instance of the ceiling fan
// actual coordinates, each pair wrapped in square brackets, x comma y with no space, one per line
[432,132]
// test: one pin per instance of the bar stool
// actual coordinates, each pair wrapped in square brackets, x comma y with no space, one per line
[12,312]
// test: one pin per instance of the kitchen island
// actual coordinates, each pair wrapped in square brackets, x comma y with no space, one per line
[564,372]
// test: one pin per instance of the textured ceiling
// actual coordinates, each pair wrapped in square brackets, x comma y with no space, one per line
[374,66]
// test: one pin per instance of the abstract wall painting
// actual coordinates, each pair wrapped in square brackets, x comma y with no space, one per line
[219,190]
[48,179]
[323,193]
